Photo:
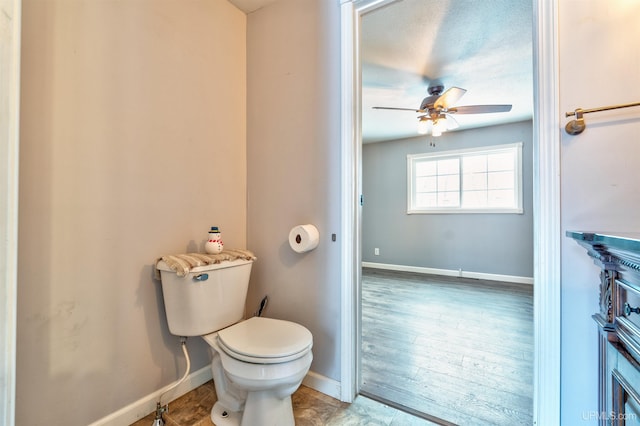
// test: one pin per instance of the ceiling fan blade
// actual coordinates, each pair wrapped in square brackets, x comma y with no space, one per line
[449,98]
[397,109]
[479,109]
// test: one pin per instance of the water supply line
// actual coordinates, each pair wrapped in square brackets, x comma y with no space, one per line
[161,409]
[263,305]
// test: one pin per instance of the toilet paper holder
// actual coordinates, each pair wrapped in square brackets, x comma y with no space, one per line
[303,238]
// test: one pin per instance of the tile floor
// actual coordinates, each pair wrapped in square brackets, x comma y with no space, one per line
[311,408]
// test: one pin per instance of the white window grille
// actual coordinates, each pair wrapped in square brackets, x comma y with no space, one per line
[478,180]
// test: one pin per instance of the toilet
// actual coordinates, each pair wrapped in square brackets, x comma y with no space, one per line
[257,363]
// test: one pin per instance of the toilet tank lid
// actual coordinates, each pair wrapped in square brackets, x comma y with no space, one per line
[262,337]
[182,264]
[163,266]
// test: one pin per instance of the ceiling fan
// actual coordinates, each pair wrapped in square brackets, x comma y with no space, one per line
[436,109]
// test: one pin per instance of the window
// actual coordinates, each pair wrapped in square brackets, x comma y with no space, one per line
[479,180]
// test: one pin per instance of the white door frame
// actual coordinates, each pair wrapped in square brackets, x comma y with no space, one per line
[10,28]
[546,202]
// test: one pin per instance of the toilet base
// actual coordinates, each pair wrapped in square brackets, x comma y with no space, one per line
[221,416]
[265,409]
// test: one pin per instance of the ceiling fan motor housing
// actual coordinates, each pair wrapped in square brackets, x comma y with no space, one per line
[435,90]
[434,94]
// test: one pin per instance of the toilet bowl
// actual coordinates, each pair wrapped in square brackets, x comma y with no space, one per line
[257,363]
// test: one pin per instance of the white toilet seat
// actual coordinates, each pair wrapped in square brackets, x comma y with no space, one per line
[260,340]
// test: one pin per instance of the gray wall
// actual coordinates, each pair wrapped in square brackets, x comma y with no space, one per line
[293,163]
[131,112]
[479,242]
[600,174]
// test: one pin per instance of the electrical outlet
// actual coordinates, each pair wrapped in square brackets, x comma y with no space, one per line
[376,251]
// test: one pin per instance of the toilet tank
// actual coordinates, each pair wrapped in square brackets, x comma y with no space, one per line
[207,299]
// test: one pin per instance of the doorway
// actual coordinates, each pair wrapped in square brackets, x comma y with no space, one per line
[546,222]
[418,352]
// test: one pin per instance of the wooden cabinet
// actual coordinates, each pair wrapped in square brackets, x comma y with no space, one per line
[618,321]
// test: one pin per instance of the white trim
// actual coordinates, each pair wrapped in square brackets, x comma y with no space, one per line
[145,405]
[546,227]
[323,384]
[546,205]
[347,320]
[349,352]
[10,28]
[450,272]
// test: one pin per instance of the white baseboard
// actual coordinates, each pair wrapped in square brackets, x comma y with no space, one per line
[142,407]
[322,384]
[450,272]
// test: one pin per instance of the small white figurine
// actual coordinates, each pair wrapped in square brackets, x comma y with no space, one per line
[214,244]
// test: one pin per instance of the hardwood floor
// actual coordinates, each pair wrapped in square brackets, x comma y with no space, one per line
[456,349]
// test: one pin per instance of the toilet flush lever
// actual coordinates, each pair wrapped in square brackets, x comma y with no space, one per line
[201,277]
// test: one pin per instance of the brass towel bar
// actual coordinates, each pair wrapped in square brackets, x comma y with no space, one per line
[577,126]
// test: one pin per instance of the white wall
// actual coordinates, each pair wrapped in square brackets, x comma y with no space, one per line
[132,146]
[599,66]
[293,145]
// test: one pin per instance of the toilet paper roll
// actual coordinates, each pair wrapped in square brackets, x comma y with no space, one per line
[303,238]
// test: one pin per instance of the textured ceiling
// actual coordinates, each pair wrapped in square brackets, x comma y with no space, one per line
[484,47]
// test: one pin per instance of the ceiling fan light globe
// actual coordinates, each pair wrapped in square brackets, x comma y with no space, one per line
[438,127]
[424,126]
